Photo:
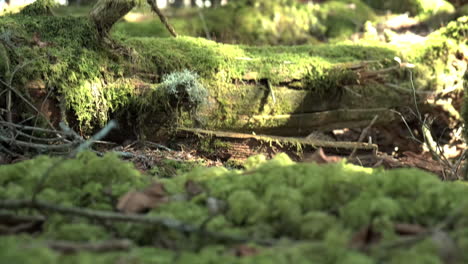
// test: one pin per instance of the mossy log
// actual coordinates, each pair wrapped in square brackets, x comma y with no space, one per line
[275,90]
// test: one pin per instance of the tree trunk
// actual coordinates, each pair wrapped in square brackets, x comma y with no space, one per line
[107,12]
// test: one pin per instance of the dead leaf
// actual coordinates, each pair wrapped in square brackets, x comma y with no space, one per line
[37,40]
[193,188]
[142,201]
[320,157]
[156,190]
[245,251]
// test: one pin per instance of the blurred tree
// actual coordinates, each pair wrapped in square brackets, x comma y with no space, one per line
[81,2]
[215,3]
[178,3]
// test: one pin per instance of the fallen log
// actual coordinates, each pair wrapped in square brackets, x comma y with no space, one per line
[158,84]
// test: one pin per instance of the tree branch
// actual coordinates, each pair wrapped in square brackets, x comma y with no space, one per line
[119,217]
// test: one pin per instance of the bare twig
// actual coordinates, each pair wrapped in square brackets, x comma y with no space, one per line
[364,132]
[162,17]
[27,102]
[156,145]
[31,128]
[68,247]
[101,134]
[205,27]
[12,141]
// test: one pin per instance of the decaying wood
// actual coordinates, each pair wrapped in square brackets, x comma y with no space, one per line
[324,120]
[316,143]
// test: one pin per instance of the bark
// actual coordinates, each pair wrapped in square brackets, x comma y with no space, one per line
[107,12]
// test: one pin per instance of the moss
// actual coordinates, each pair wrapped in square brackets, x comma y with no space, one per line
[457,30]
[422,8]
[325,205]
[4,63]
[81,181]
[73,63]
[343,18]
[284,23]
[245,83]
[39,8]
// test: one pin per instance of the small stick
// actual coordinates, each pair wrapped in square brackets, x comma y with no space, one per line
[68,247]
[362,136]
[162,17]
[120,217]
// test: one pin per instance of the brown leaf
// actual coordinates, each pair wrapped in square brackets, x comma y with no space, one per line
[409,229]
[155,190]
[193,188]
[142,201]
[320,157]
[37,40]
[365,237]
[245,251]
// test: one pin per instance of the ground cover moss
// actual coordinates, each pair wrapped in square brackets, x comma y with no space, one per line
[318,207]
[80,182]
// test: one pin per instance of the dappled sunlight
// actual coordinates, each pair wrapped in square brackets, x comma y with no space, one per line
[263,131]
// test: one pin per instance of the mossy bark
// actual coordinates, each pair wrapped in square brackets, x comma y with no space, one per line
[107,12]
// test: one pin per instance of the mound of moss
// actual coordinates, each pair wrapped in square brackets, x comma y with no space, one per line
[86,181]
[309,213]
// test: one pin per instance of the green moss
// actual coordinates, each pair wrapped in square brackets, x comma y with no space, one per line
[244,83]
[457,30]
[39,8]
[81,181]
[4,62]
[325,205]
[422,8]
[73,63]
[343,18]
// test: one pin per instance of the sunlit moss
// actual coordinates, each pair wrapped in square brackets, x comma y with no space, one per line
[421,8]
